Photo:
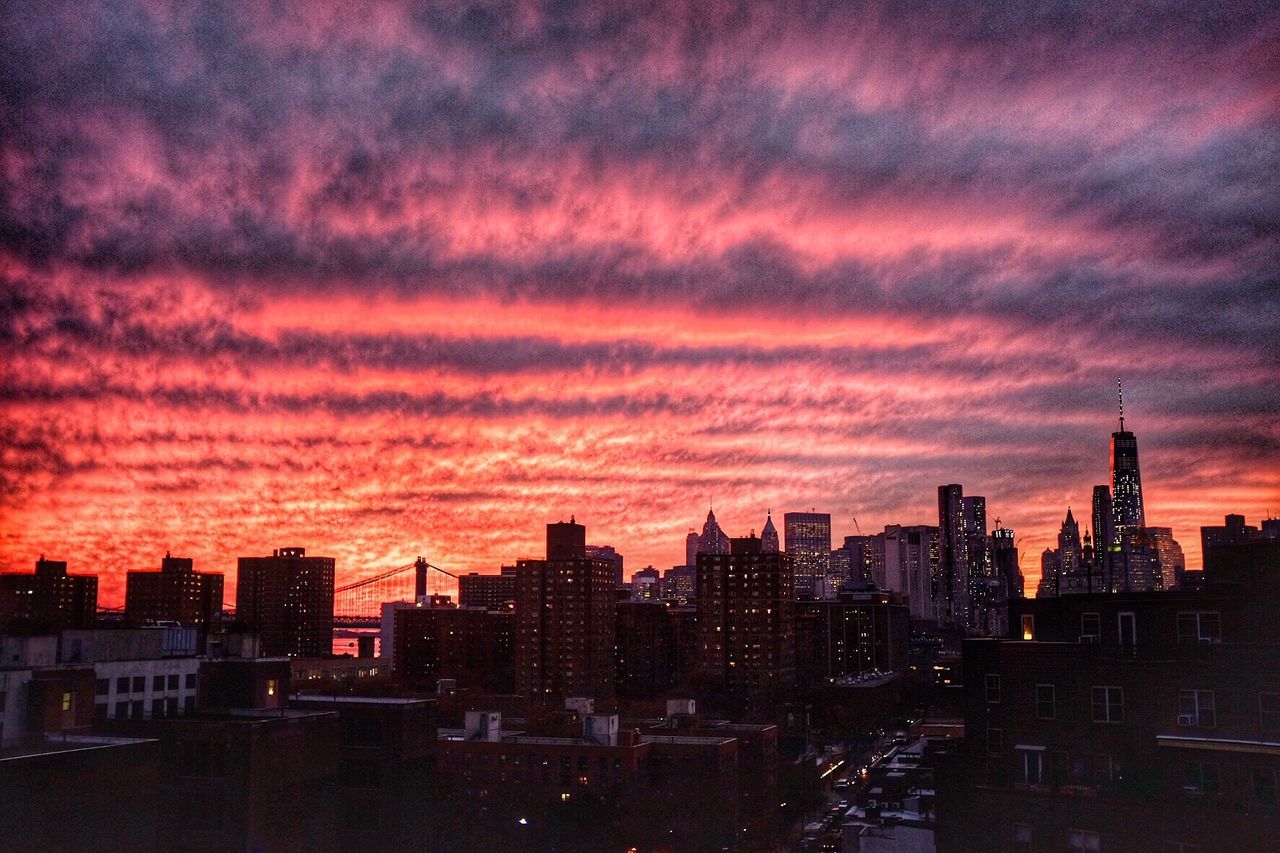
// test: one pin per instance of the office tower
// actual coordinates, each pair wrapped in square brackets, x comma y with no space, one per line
[1169,553]
[1137,563]
[1104,537]
[691,544]
[1004,558]
[1126,479]
[287,600]
[48,599]
[1050,575]
[978,556]
[679,582]
[746,618]
[907,559]
[858,551]
[492,592]
[769,536]
[565,619]
[646,585]
[176,593]
[952,591]
[1070,552]
[808,541]
[713,540]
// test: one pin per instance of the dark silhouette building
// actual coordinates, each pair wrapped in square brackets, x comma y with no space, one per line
[49,599]
[471,645]
[645,648]
[746,619]
[1123,721]
[857,633]
[176,593]
[565,619]
[287,600]
[493,592]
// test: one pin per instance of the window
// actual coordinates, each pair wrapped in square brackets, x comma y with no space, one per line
[122,710]
[1108,705]
[103,686]
[1083,841]
[1196,708]
[191,681]
[1090,628]
[1199,626]
[992,683]
[173,681]
[66,701]
[1032,764]
[157,683]
[189,705]
[139,683]
[1127,628]
[271,687]
[135,709]
[122,684]
[157,708]
[1269,712]
[1105,770]
[1022,838]
[1264,785]
[1200,777]
[995,740]
[1046,706]
[1028,626]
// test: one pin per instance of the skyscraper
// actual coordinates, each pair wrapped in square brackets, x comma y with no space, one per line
[808,541]
[1104,538]
[565,608]
[1126,479]
[952,591]
[1004,559]
[769,536]
[907,560]
[713,540]
[287,600]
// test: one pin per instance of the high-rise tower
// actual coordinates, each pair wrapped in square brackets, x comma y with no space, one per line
[769,536]
[1126,480]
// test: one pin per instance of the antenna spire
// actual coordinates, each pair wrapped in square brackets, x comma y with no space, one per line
[1120,394]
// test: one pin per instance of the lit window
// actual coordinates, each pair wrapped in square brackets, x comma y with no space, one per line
[66,701]
[1028,628]
[271,687]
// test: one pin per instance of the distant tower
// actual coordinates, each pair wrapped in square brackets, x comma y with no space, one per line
[1104,537]
[1126,480]
[713,540]
[1069,550]
[691,548]
[769,536]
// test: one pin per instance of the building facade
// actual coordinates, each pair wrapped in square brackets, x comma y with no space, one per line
[176,593]
[287,599]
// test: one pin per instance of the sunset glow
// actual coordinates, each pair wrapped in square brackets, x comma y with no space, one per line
[382,284]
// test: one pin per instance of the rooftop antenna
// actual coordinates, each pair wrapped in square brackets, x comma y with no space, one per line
[1120,394]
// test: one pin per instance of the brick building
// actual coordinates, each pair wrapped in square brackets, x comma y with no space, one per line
[746,619]
[176,593]
[48,599]
[1135,722]
[858,632]
[287,600]
[565,619]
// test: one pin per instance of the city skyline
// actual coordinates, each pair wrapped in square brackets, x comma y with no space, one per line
[380,284]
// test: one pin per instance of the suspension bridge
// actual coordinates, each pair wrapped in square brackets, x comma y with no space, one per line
[359,604]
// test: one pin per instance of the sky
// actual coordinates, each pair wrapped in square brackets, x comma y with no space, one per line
[385,281]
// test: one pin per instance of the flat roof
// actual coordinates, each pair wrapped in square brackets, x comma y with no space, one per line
[70,743]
